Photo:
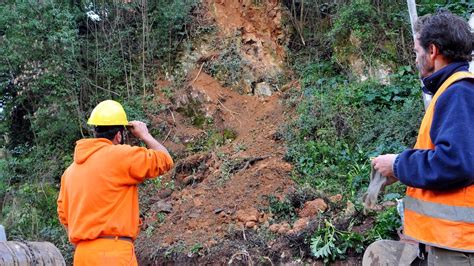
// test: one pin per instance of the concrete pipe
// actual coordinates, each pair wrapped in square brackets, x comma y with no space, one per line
[16,253]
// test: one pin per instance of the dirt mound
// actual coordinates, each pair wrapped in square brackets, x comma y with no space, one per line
[223,189]
[229,155]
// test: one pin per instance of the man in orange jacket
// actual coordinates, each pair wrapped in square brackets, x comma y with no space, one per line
[98,199]
[439,170]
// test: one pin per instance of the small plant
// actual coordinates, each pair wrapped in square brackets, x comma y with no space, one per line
[149,231]
[225,170]
[212,139]
[323,244]
[240,147]
[170,184]
[229,167]
[357,178]
[386,224]
[329,243]
[281,210]
[196,248]
[174,249]
[167,91]
[156,182]
[160,217]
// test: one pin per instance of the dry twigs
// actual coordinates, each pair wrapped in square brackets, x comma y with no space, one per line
[197,76]
[241,253]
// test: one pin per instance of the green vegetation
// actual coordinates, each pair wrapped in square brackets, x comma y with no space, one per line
[212,139]
[174,250]
[56,63]
[281,210]
[228,67]
[329,243]
[462,8]
[341,124]
[352,34]
[342,121]
[196,249]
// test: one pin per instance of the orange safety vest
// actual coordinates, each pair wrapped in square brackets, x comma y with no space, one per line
[443,219]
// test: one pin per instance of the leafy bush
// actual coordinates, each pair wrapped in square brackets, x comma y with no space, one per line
[360,29]
[386,224]
[340,125]
[359,18]
[460,7]
[329,243]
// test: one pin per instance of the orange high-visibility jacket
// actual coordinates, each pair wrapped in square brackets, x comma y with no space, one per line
[99,195]
[440,218]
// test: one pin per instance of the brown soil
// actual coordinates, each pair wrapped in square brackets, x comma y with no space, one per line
[218,184]
[217,211]
[261,28]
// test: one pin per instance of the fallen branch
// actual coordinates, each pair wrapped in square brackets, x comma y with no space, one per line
[167,135]
[242,166]
[172,116]
[267,258]
[243,253]
[230,111]
[199,73]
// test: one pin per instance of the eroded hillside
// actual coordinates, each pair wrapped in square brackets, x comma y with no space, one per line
[220,195]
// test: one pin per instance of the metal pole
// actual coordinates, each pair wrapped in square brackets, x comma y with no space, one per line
[471,23]
[413,17]
[3,235]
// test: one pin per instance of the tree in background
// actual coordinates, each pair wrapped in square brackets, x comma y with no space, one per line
[57,60]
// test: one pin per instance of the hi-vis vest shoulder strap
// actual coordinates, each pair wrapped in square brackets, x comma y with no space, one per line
[440,218]
[424,141]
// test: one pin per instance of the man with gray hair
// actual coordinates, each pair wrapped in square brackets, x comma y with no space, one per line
[439,170]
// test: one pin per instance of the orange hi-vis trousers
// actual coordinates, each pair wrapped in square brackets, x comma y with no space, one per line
[104,251]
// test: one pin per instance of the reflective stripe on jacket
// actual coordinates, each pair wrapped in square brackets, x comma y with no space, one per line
[440,218]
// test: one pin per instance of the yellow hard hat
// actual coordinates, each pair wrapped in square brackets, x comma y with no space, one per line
[108,113]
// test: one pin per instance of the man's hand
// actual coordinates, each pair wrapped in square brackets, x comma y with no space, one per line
[384,164]
[139,129]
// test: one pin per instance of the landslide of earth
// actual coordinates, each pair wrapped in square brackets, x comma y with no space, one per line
[225,135]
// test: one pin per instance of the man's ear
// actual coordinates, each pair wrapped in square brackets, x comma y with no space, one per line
[117,138]
[433,51]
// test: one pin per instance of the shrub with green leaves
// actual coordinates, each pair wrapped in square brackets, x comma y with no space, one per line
[359,29]
[386,224]
[329,243]
[341,124]
[462,8]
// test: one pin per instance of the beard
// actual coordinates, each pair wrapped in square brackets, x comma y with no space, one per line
[424,68]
